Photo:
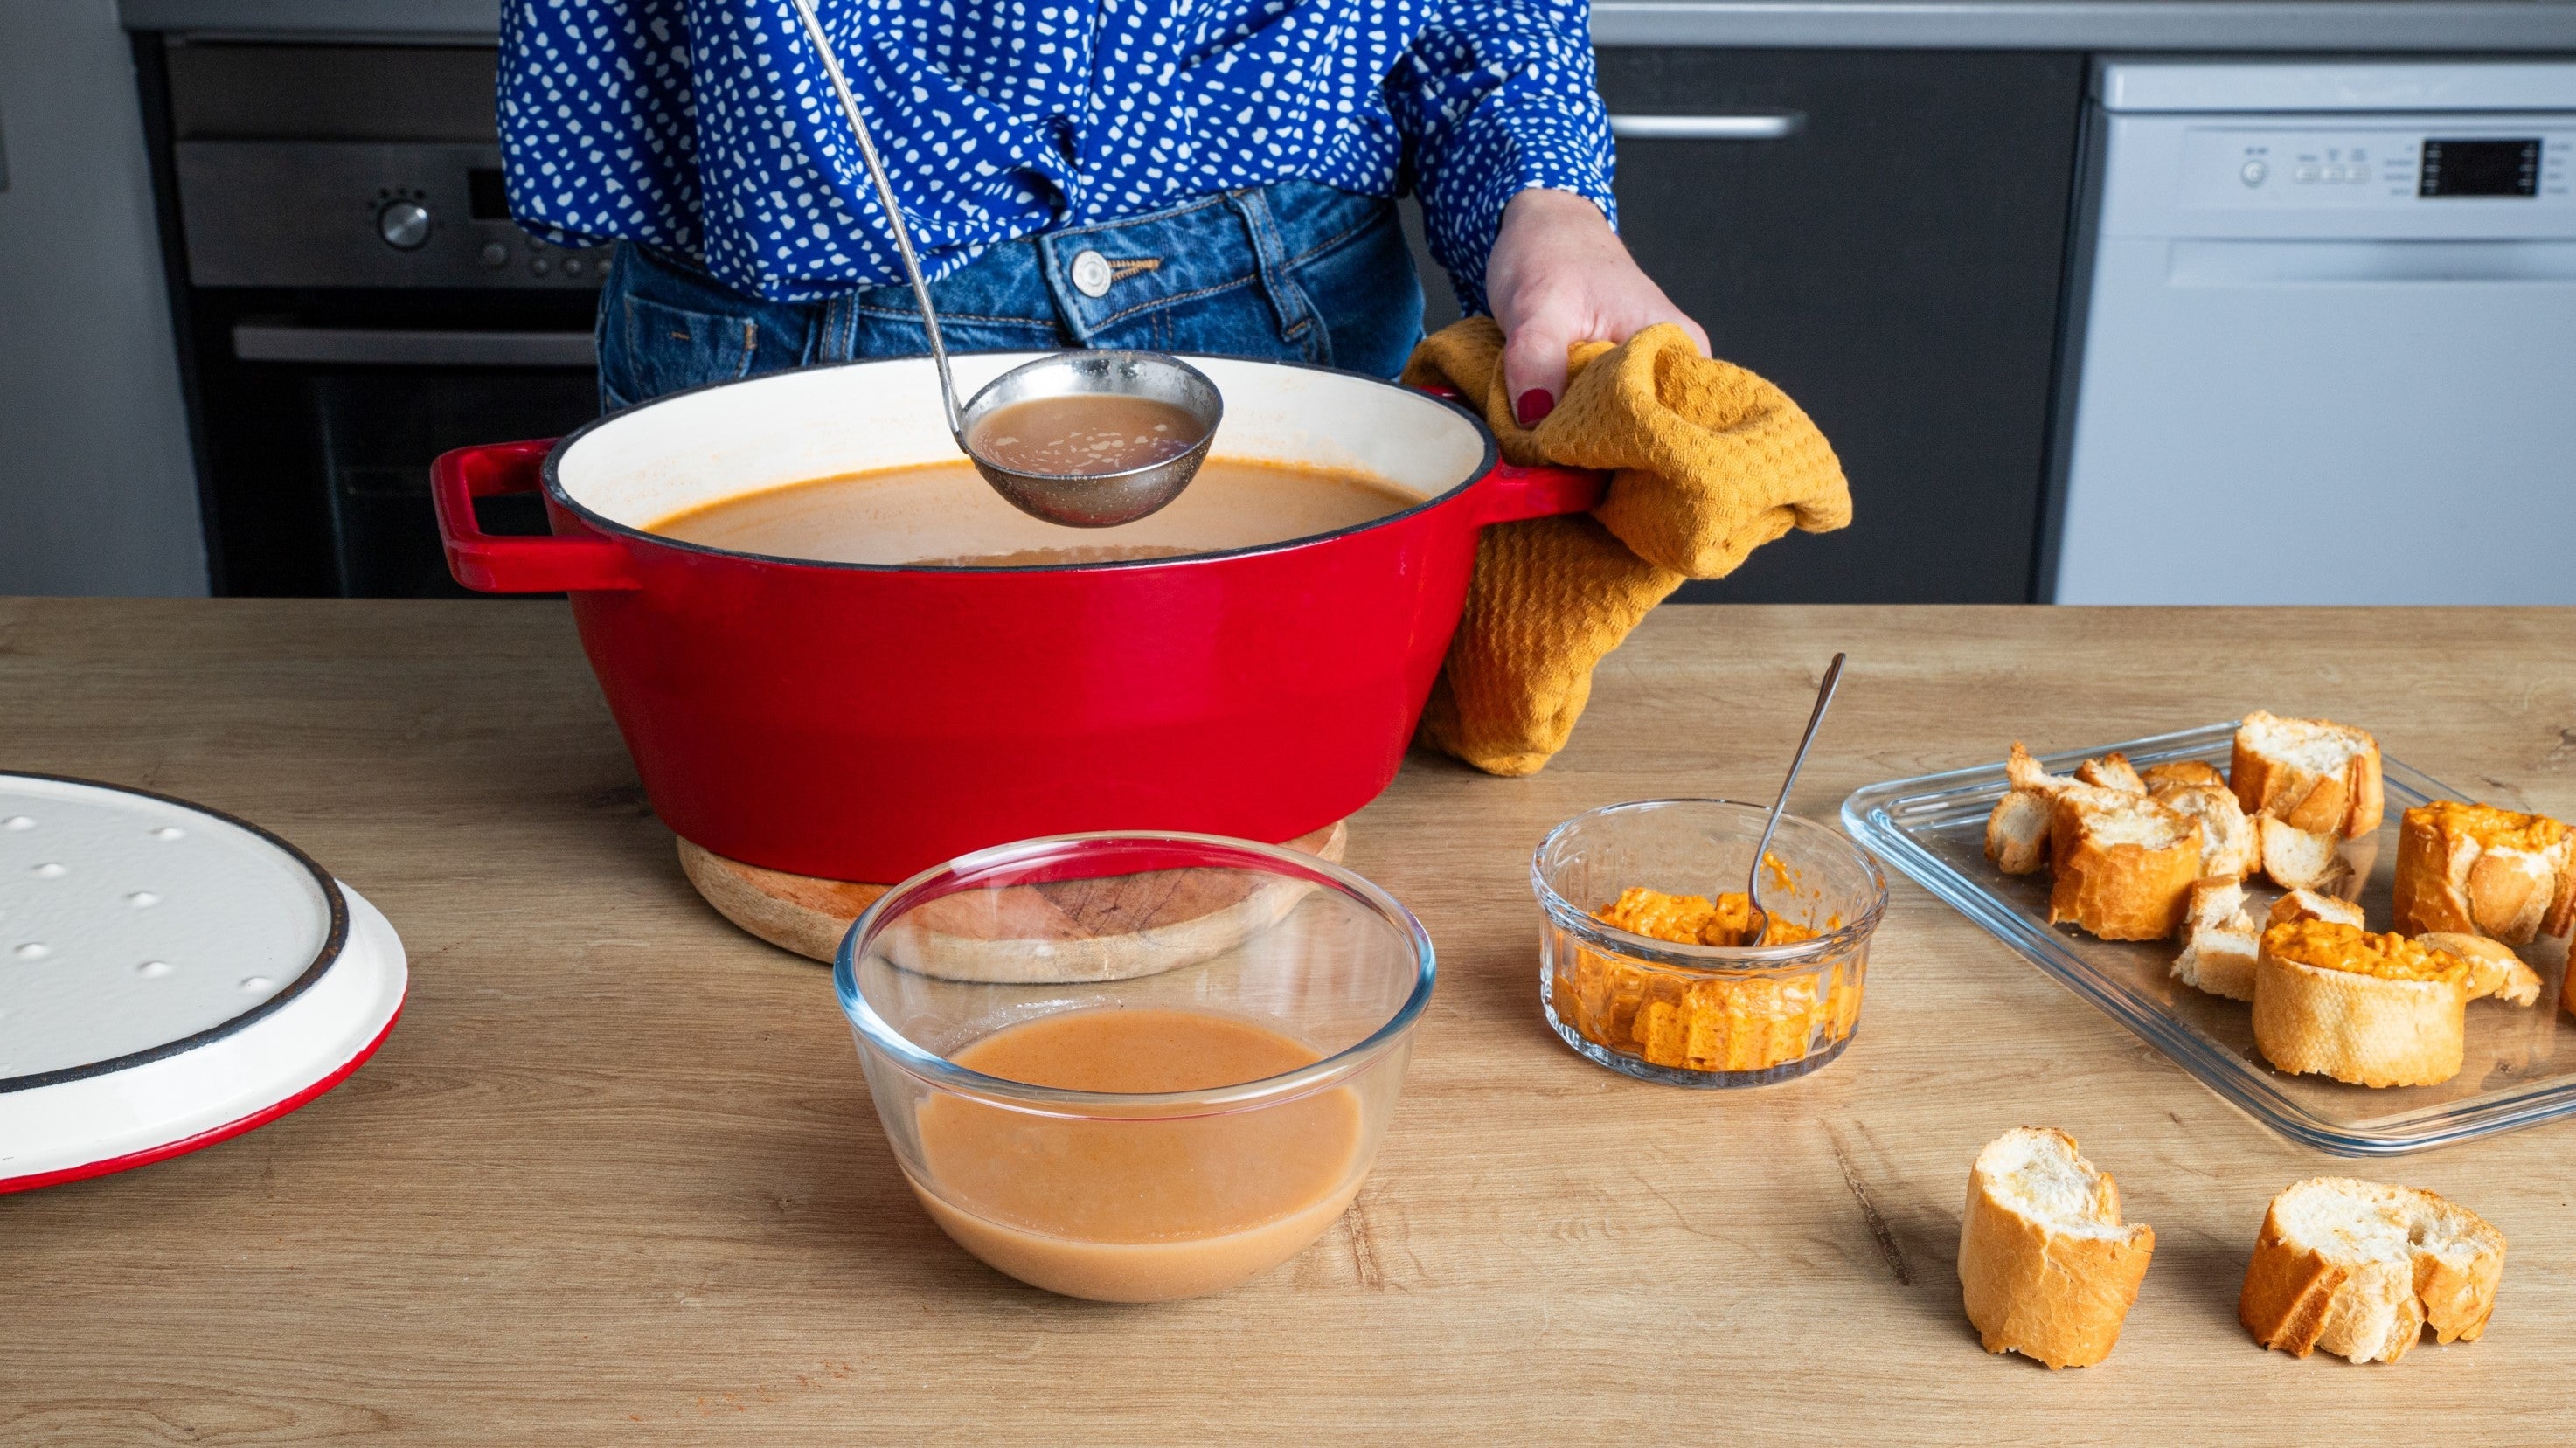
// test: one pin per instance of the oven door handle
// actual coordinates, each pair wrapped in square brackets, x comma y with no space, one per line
[399,347]
[1749,126]
[488,563]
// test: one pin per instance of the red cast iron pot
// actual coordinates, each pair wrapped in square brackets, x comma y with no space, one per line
[863,722]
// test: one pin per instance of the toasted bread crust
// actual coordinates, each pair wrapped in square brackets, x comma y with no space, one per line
[2125,890]
[2219,941]
[2027,773]
[2297,859]
[2494,970]
[2048,1295]
[2309,905]
[2303,1295]
[2181,774]
[2367,1030]
[2017,832]
[2346,802]
[2111,771]
[2229,842]
[2288,1291]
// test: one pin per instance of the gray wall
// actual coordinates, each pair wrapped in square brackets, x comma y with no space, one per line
[97,492]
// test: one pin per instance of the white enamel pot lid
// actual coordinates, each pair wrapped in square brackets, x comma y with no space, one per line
[629,470]
[168,975]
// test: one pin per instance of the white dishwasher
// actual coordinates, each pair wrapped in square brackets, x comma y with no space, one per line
[2325,348]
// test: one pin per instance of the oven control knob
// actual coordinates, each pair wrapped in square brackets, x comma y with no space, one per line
[404,225]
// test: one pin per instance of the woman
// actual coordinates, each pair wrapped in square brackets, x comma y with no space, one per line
[1191,177]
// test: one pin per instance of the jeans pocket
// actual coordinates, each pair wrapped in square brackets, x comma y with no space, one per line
[661,348]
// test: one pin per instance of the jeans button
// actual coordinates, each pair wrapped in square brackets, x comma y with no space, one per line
[1091,275]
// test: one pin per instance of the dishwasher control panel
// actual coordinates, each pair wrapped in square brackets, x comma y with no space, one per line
[2278,165]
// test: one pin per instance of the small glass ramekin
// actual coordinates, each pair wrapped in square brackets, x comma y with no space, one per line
[1175,1193]
[1703,1015]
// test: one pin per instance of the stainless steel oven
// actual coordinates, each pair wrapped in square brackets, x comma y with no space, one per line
[352,300]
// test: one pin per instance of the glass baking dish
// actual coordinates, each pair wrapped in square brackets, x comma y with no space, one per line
[2521,1064]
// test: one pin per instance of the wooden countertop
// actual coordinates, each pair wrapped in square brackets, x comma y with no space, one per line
[615,1177]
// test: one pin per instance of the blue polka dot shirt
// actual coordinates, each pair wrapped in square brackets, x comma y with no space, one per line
[707,126]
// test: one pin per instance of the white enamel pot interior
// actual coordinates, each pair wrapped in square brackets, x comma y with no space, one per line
[637,468]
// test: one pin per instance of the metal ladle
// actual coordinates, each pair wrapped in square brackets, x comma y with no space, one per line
[1076,500]
[1757,919]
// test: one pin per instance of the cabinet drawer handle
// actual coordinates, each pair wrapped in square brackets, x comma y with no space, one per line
[253,342]
[1754,126]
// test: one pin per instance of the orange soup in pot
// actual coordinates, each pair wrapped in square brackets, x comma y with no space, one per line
[944,515]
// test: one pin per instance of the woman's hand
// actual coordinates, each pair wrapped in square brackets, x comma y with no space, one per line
[1559,275]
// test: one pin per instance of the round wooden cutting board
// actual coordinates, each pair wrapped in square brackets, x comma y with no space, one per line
[1078,930]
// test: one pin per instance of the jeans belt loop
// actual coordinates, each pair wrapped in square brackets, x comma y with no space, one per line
[835,333]
[1270,256]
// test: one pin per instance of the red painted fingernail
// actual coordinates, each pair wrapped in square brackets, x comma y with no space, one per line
[1534,406]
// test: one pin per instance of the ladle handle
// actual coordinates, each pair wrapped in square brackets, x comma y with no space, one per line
[894,214]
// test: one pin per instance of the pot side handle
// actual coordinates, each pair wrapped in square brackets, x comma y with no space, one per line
[490,563]
[1511,494]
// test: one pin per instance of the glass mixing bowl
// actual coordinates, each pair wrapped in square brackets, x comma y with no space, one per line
[1703,1015]
[1134,1067]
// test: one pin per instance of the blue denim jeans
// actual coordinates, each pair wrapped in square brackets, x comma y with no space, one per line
[1292,271]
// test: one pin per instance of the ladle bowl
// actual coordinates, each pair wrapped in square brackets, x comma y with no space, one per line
[1076,500]
[1097,500]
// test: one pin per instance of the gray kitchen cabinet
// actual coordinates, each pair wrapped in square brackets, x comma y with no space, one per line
[1895,261]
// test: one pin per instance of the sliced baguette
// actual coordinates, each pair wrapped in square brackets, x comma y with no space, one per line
[2309,905]
[2372,1010]
[2474,868]
[2360,1270]
[2017,832]
[2229,843]
[2310,774]
[2046,1268]
[2219,941]
[2181,774]
[2125,864]
[2026,773]
[2112,771]
[2298,859]
[2494,970]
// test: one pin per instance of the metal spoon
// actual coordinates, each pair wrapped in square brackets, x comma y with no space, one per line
[1076,500]
[1758,920]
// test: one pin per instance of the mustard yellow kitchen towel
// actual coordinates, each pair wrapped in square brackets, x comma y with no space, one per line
[1708,462]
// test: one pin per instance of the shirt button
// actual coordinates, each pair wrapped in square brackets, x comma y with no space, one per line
[1091,274]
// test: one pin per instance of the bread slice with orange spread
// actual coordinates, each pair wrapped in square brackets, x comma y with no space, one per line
[2046,1267]
[2476,868]
[2371,1009]
[2310,774]
[2361,1269]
